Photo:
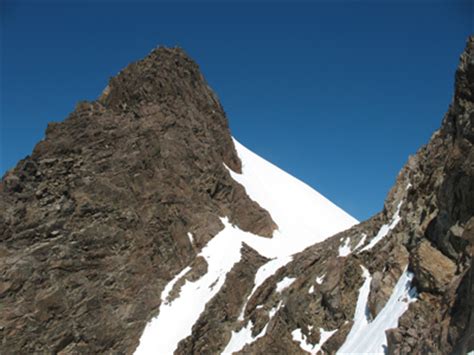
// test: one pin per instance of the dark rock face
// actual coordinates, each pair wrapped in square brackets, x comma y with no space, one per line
[94,223]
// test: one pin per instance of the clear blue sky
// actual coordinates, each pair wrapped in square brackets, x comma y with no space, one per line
[338,94]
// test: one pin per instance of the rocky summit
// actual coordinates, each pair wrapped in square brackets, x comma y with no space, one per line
[139,225]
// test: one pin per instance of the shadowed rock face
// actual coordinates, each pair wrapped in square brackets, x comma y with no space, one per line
[94,224]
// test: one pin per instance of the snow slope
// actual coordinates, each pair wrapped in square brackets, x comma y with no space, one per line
[304,217]
[302,214]
[369,336]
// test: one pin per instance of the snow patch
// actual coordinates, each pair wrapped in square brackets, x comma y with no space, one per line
[360,316]
[324,336]
[241,338]
[345,250]
[274,310]
[369,337]
[383,231]
[191,239]
[244,336]
[269,269]
[285,283]
[311,289]
[320,279]
[264,272]
[299,337]
[361,241]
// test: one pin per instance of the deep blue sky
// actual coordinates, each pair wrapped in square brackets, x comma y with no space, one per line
[338,94]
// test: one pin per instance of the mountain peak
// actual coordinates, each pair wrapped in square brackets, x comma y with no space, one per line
[112,195]
[165,76]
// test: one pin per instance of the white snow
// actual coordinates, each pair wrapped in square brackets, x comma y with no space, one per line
[191,239]
[274,310]
[369,337]
[175,320]
[285,283]
[320,279]
[299,337]
[311,289]
[345,250]
[170,285]
[383,231]
[241,338]
[304,217]
[244,336]
[360,315]
[324,336]
[361,241]
[263,273]
[269,269]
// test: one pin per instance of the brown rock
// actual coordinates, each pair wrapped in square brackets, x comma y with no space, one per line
[434,271]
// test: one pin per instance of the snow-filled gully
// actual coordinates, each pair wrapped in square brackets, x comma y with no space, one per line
[369,336]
